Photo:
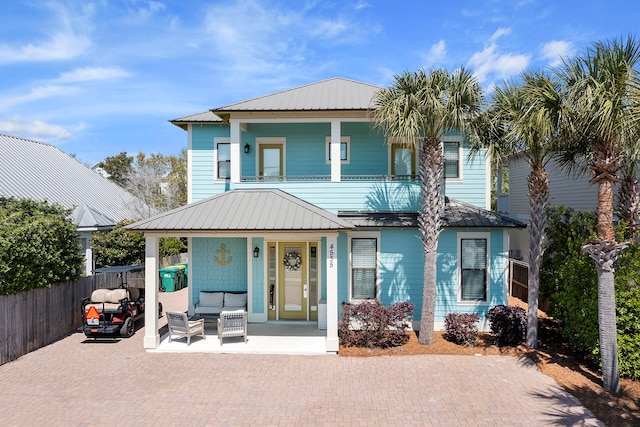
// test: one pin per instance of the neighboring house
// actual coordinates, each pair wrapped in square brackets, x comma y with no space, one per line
[33,170]
[571,190]
[297,200]
[100,170]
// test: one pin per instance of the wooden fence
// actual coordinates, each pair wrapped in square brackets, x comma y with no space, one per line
[36,318]
[519,283]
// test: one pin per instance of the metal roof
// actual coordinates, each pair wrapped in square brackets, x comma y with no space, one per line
[332,94]
[34,170]
[203,117]
[245,210]
[456,214]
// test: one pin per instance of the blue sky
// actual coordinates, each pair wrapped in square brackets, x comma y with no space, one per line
[99,77]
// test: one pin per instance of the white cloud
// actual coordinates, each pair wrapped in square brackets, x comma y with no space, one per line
[34,129]
[499,33]
[555,50]
[61,46]
[492,64]
[255,43]
[93,74]
[35,94]
[436,54]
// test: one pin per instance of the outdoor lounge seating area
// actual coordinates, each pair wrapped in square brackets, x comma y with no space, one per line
[262,338]
[211,303]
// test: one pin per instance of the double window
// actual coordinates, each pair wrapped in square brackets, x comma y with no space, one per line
[473,268]
[364,268]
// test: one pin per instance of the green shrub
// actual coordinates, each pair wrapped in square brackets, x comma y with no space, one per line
[462,328]
[569,280]
[118,246]
[38,245]
[508,323]
[371,325]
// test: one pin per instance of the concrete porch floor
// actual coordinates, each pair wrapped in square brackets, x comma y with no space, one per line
[282,337]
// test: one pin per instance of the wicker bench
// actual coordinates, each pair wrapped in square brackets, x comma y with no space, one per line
[232,324]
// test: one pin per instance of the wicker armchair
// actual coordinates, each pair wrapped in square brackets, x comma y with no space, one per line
[179,324]
[232,324]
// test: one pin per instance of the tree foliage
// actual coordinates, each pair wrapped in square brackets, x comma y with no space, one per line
[118,246]
[569,280]
[122,247]
[118,167]
[38,245]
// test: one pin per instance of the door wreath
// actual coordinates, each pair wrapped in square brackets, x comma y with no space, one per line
[292,261]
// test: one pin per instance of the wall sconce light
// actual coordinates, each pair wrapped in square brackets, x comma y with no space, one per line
[247,148]
[256,252]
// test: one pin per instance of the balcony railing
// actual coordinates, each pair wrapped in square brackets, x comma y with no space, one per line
[314,178]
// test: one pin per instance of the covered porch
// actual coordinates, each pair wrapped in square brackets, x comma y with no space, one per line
[251,223]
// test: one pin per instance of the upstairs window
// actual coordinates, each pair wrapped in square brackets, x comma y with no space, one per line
[223,156]
[451,151]
[344,149]
[403,161]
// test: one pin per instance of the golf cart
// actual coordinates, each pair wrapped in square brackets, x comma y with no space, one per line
[113,312]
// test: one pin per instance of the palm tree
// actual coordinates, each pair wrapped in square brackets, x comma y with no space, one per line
[628,200]
[523,120]
[602,102]
[416,110]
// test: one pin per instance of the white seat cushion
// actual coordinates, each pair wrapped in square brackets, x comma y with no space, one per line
[211,299]
[232,301]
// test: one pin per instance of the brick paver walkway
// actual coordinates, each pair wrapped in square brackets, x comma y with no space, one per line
[75,382]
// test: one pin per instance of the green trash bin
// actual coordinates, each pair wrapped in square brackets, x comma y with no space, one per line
[186,268]
[168,278]
[181,276]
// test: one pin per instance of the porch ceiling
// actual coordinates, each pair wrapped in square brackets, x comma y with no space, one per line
[245,210]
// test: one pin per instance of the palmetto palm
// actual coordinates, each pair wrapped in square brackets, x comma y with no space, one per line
[416,110]
[628,198]
[523,120]
[602,102]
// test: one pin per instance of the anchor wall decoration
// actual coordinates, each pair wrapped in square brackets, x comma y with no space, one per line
[223,251]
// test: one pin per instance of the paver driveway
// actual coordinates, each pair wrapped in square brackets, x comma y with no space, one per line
[75,382]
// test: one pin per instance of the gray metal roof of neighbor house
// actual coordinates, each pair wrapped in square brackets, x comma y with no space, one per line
[244,210]
[34,170]
[456,214]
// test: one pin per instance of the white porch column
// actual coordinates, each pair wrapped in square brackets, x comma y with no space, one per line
[332,293]
[236,138]
[151,334]
[335,151]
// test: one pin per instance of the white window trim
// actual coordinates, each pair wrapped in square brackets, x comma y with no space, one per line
[364,235]
[327,148]
[218,140]
[479,235]
[458,139]
[266,140]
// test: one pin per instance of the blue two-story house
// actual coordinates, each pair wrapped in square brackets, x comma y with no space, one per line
[297,200]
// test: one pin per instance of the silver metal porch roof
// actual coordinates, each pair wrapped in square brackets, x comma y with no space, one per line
[245,210]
